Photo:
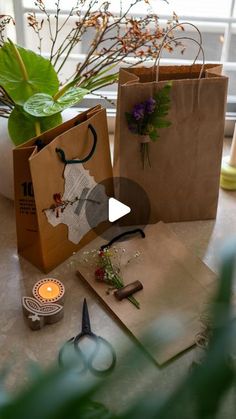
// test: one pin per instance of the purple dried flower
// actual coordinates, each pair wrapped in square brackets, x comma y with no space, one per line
[150,105]
[138,111]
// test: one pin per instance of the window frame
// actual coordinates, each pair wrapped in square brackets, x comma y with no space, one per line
[216,23]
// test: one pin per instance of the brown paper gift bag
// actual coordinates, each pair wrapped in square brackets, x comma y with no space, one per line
[39,181]
[183,180]
[177,287]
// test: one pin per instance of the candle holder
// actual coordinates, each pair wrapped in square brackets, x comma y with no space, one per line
[49,290]
[44,308]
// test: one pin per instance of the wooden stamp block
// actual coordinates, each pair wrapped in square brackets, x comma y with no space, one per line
[38,314]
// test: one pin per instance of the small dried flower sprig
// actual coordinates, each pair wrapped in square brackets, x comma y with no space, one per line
[60,205]
[146,118]
[107,264]
[5,20]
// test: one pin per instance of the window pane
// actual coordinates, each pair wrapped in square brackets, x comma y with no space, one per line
[31,38]
[67,4]
[203,8]
[212,32]
[232,49]
[232,82]
[234,12]
[212,41]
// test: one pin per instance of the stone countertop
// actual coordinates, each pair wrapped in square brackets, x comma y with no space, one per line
[19,345]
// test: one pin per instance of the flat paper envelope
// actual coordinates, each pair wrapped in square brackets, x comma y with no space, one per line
[176,286]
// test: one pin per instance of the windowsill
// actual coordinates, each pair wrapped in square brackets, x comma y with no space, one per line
[230,121]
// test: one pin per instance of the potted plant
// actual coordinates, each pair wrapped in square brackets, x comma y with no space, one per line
[33,94]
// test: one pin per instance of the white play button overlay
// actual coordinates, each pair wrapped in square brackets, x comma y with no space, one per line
[116,209]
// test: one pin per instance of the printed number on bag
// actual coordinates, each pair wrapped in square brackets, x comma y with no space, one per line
[26,201]
[27,188]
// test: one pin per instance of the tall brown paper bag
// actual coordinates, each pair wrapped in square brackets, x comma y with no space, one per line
[38,175]
[183,181]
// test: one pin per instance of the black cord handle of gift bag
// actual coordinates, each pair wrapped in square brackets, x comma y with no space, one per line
[175,39]
[120,236]
[62,155]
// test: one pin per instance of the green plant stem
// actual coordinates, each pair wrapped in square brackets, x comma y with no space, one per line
[134,301]
[119,284]
[63,90]
[102,82]
[117,281]
[37,128]
[19,61]
[144,150]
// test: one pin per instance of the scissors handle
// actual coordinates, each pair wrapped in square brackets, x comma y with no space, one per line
[63,349]
[72,353]
[89,362]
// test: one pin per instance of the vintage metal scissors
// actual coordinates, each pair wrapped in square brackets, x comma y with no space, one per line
[84,360]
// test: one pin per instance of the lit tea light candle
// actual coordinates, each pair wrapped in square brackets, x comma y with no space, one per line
[49,290]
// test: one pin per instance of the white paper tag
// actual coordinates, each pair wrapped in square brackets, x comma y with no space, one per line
[78,185]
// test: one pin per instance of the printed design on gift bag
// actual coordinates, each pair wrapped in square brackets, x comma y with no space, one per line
[146,118]
[26,200]
[108,263]
[70,208]
[60,204]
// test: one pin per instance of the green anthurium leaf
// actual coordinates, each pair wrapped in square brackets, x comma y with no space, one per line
[22,126]
[42,104]
[24,73]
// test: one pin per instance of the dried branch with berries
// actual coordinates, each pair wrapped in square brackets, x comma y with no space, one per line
[114,38]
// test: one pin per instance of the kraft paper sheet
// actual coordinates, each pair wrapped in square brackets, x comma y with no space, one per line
[176,284]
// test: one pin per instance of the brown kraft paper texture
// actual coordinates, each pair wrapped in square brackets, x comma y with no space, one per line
[38,175]
[177,287]
[183,181]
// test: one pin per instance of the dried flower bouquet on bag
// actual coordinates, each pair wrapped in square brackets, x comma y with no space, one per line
[146,118]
